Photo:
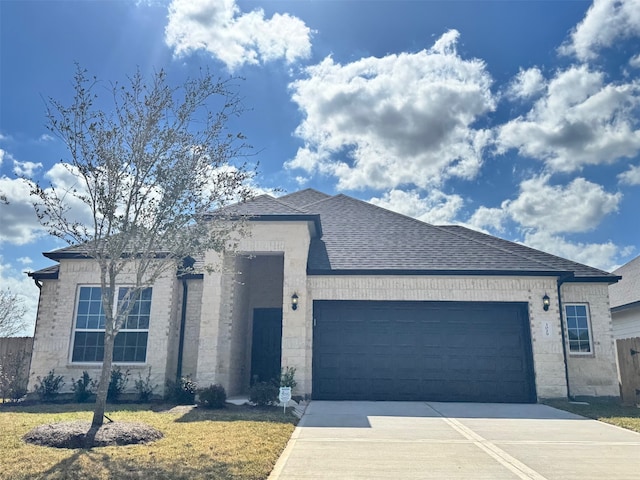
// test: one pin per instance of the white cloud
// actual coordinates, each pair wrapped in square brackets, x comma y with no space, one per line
[485,217]
[26,169]
[24,260]
[577,207]
[19,222]
[23,286]
[528,83]
[234,37]
[631,176]
[402,119]
[579,121]
[635,61]
[543,213]
[45,137]
[435,208]
[606,22]
[598,255]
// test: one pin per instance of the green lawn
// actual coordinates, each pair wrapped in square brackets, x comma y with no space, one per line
[626,417]
[235,443]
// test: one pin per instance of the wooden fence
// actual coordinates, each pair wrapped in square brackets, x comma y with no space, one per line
[15,344]
[15,357]
[629,368]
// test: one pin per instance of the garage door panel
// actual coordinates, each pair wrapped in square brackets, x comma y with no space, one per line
[464,351]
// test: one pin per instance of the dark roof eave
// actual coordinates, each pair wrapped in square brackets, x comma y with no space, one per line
[57,255]
[191,276]
[626,306]
[507,273]
[596,279]
[43,275]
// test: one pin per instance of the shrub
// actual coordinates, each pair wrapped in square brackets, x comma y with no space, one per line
[13,377]
[182,392]
[287,377]
[214,396]
[83,387]
[118,384]
[264,393]
[144,387]
[48,387]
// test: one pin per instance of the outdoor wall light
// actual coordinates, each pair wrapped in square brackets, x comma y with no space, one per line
[294,301]
[546,301]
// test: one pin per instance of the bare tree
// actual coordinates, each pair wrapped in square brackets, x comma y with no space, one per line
[147,170]
[12,311]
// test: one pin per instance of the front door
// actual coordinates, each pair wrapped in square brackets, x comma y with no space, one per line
[266,348]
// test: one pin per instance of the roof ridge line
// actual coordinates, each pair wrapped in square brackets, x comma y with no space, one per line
[413,219]
[319,201]
[285,204]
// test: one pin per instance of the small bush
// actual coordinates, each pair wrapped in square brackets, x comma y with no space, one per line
[117,385]
[13,377]
[83,387]
[287,377]
[214,396]
[48,387]
[264,394]
[144,387]
[182,392]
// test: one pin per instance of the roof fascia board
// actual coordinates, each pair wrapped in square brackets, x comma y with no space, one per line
[44,276]
[610,280]
[627,306]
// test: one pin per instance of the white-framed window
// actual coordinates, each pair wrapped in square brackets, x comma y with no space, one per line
[578,328]
[88,337]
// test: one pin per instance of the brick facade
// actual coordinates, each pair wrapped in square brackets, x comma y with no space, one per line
[271,265]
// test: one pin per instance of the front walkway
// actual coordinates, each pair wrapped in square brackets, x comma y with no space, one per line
[415,440]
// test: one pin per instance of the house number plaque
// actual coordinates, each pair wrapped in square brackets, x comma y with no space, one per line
[546,329]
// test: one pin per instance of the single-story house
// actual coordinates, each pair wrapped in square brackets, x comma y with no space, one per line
[625,301]
[365,303]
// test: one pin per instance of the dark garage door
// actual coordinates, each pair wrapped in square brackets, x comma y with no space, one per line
[439,351]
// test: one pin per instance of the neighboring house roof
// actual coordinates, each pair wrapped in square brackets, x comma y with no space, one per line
[626,293]
[356,237]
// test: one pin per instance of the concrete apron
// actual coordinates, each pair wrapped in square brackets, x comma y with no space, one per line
[416,440]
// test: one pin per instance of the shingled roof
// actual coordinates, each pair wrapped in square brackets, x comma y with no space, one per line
[362,238]
[356,237]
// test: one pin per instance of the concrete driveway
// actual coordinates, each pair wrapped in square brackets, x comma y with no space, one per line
[417,440]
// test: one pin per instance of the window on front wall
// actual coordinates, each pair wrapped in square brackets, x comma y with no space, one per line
[578,328]
[88,339]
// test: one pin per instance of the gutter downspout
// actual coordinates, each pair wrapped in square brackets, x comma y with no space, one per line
[183,321]
[39,284]
[564,344]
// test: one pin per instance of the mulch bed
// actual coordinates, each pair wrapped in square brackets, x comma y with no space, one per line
[78,434]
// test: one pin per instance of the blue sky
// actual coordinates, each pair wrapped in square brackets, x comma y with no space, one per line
[518,118]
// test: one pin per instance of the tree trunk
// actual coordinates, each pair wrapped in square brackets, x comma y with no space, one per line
[105,378]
